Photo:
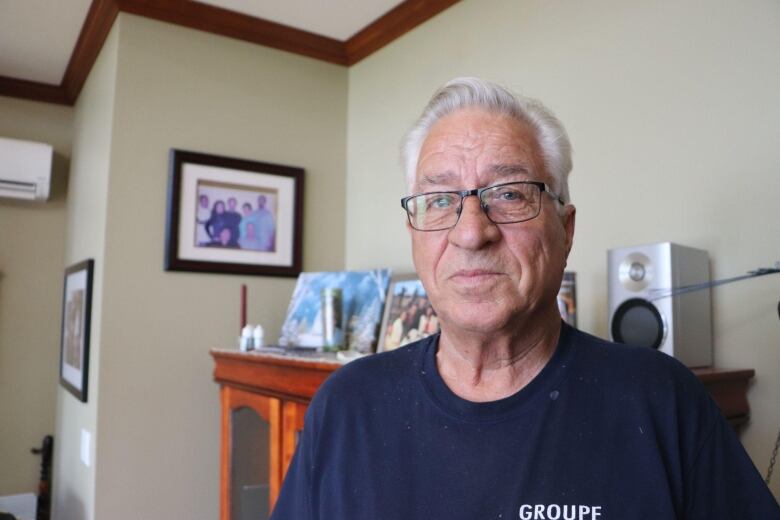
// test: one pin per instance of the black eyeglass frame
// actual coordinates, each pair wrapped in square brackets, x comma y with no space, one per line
[543,188]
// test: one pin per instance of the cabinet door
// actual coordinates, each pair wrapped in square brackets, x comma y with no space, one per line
[251,449]
[292,426]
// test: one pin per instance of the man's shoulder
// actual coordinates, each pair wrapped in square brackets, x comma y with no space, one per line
[630,365]
[639,385]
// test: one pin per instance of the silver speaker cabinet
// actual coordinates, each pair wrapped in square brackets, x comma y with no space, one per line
[681,325]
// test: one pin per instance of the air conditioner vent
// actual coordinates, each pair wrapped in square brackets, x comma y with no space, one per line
[25,169]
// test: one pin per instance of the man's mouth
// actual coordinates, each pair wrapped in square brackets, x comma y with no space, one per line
[474,275]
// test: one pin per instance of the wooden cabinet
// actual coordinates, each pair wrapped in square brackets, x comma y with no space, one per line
[246,433]
[277,390]
[729,389]
[265,397]
[292,425]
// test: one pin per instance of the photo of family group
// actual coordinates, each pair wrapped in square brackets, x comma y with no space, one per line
[408,314]
[236,217]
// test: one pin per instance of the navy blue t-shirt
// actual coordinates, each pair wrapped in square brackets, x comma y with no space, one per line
[604,432]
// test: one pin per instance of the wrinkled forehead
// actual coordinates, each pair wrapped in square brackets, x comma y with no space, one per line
[472,147]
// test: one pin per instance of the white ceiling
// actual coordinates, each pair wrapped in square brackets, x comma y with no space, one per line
[37,37]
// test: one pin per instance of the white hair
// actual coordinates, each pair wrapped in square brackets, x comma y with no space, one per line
[463,93]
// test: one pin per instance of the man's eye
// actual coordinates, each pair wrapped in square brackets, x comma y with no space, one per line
[508,196]
[442,202]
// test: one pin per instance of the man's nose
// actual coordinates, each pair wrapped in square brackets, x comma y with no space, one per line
[474,229]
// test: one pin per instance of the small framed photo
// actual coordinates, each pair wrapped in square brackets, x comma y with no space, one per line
[76,311]
[362,295]
[233,216]
[567,298]
[408,314]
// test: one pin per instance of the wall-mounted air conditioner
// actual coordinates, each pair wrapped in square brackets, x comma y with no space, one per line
[25,169]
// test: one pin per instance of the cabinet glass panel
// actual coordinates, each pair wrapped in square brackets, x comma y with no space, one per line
[250,467]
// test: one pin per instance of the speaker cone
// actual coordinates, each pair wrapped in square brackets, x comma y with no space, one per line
[638,322]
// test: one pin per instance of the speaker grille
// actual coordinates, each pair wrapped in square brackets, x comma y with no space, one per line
[638,322]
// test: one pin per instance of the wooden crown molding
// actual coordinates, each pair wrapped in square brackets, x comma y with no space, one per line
[32,90]
[240,26]
[393,24]
[97,25]
[102,14]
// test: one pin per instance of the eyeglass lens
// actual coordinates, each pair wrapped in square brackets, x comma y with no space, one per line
[503,204]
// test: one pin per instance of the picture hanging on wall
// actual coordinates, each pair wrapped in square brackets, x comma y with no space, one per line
[76,311]
[233,216]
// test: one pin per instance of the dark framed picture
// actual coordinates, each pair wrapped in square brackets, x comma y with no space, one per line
[76,311]
[233,216]
[408,314]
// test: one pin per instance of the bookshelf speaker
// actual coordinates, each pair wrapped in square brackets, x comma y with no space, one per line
[643,309]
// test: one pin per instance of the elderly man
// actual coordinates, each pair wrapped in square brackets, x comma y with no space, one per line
[509,413]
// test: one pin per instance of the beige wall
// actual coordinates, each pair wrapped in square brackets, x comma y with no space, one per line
[158,421]
[672,109]
[32,243]
[153,407]
[74,482]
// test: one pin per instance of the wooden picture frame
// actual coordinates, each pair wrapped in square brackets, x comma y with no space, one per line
[233,216]
[406,294]
[76,319]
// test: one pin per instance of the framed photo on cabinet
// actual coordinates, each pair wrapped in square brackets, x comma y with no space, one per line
[567,298]
[357,315]
[408,314]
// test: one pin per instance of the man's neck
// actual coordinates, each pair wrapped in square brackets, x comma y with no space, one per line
[490,367]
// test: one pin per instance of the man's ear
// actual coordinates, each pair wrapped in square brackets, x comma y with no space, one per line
[568,219]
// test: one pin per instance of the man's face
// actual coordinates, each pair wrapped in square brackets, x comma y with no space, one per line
[232,203]
[482,277]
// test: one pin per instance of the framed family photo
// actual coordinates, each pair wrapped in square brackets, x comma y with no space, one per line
[408,314]
[76,311]
[233,216]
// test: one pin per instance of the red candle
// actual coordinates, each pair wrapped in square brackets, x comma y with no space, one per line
[243,305]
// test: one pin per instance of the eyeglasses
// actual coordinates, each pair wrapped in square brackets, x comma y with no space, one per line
[503,204]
